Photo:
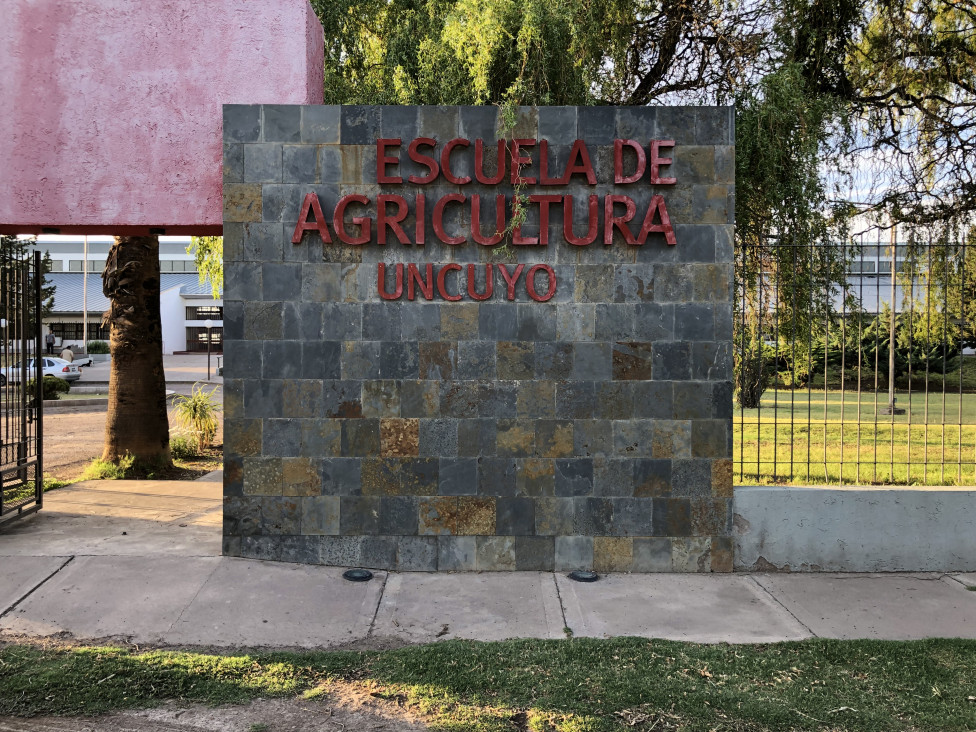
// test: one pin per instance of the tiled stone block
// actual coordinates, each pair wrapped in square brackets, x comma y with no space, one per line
[399,437]
[417,553]
[456,553]
[476,515]
[300,477]
[495,553]
[496,476]
[320,515]
[320,124]
[535,477]
[399,515]
[242,122]
[458,476]
[438,515]
[359,515]
[613,554]
[692,554]
[534,553]
[341,476]
[652,554]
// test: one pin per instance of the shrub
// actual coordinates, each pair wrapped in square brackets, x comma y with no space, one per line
[98,347]
[198,413]
[99,469]
[181,447]
[52,385]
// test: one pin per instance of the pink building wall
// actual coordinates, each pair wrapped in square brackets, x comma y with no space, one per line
[112,108]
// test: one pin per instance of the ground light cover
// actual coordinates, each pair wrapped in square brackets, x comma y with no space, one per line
[567,686]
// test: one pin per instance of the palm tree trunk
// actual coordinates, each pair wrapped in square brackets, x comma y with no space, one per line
[137,423]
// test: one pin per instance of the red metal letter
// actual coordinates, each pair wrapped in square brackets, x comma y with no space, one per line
[476,234]
[583,166]
[438,221]
[479,163]
[382,220]
[381,282]
[382,160]
[421,229]
[446,161]
[530,283]
[544,202]
[657,205]
[311,205]
[364,222]
[517,238]
[609,220]
[518,161]
[592,225]
[618,161]
[544,178]
[657,161]
[441,281]
[426,286]
[510,279]
[424,160]
[489,285]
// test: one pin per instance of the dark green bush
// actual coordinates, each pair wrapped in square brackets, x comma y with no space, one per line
[53,387]
[98,347]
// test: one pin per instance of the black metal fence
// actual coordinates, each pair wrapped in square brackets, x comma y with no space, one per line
[854,364]
[21,424]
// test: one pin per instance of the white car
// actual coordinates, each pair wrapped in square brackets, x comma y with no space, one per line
[51,366]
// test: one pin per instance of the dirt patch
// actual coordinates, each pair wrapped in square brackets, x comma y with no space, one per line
[74,436]
[346,707]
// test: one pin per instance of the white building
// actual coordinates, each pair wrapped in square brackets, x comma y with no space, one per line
[184,304]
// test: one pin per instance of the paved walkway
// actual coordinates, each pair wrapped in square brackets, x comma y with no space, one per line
[182,369]
[140,561]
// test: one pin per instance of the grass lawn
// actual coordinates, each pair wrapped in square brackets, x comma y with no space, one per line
[846,440]
[566,686]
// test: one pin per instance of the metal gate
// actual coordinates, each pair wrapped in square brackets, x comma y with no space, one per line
[21,402]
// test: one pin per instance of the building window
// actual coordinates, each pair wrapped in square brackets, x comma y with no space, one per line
[75,332]
[74,265]
[57,265]
[205,312]
[196,340]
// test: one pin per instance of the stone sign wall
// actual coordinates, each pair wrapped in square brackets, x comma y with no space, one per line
[449,353]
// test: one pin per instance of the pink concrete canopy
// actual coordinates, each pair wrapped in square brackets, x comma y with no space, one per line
[112,108]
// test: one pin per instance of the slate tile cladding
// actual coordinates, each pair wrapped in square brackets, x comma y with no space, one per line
[592,431]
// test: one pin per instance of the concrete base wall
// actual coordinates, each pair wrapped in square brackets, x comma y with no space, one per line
[832,529]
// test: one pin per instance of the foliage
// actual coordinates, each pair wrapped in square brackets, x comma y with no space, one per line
[910,76]
[52,385]
[787,256]
[198,412]
[534,51]
[862,685]
[181,447]
[208,256]
[98,347]
[12,247]
[51,483]
[99,469]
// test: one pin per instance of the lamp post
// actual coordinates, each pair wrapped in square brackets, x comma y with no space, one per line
[208,324]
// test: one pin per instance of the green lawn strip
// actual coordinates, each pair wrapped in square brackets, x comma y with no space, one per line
[566,685]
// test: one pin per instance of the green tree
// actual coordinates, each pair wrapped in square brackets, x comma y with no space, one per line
[535,51]
[13,247]
[208,256]
[136,425]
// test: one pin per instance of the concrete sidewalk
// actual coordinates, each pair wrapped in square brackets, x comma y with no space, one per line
[139,561]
